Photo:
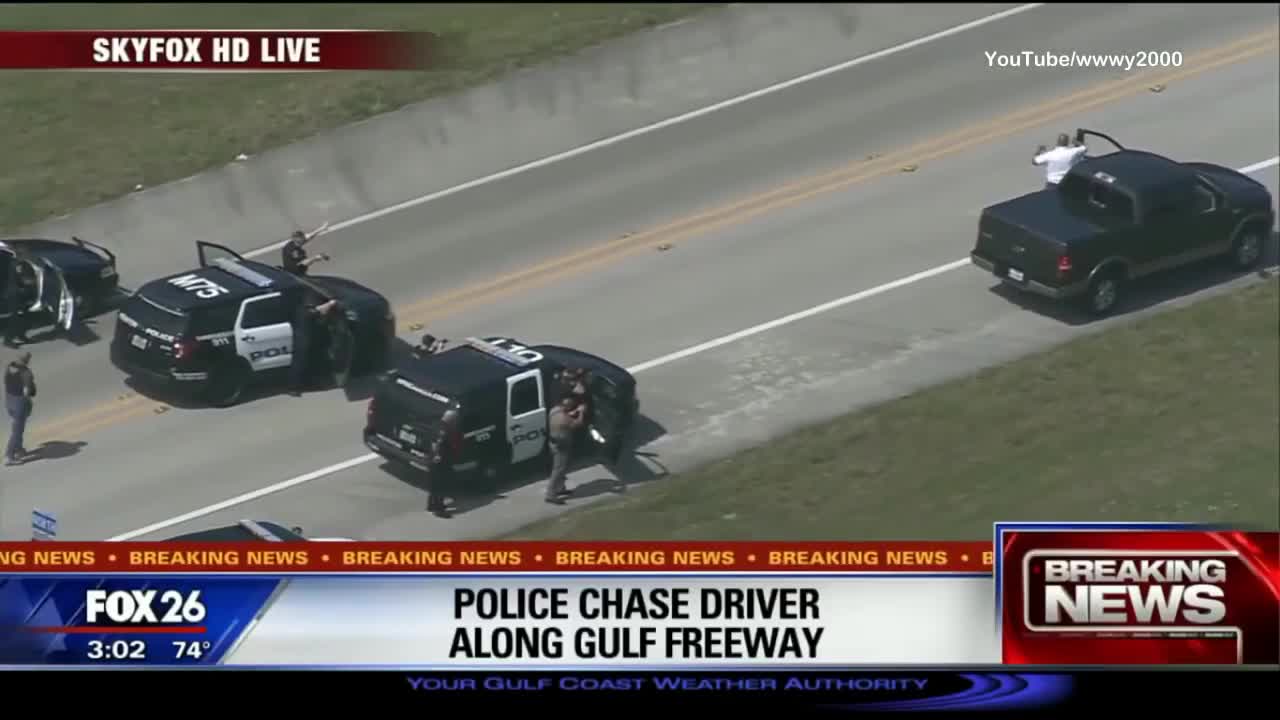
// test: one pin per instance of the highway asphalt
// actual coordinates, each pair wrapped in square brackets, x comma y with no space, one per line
[741,252]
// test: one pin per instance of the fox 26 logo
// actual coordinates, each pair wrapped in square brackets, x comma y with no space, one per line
[143,606]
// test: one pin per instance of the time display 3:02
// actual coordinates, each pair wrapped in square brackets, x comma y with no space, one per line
[117,650]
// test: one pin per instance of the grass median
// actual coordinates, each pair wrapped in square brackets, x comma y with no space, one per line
[1174,417]
[75,139]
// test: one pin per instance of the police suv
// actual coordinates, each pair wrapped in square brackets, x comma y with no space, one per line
[211,332]
[503,391]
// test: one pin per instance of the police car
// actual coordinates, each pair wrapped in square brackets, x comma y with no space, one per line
[210,333]
[72,279]
[503,391]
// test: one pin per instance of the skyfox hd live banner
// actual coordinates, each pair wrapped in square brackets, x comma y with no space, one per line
[613,606]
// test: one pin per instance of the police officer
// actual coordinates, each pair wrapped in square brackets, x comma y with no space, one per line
[304,322]
[19,291]
[294,254]
[429,345]
[562,426]
[19,390]
[444,455]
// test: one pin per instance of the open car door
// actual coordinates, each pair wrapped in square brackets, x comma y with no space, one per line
[54,295]
[208,252]
[610,419]
[341,350]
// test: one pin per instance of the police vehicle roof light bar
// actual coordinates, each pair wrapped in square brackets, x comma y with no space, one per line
[260,532]
[242,272]
[498,352]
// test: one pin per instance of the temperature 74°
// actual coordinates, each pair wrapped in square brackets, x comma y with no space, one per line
[194,649]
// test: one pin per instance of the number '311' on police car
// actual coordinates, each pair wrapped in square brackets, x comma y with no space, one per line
[211,332]
[503,392]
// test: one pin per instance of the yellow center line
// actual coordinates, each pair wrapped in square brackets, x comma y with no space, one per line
[705,222]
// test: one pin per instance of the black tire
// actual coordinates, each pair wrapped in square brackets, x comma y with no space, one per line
[227,385]
[1106,290]
[1247,246]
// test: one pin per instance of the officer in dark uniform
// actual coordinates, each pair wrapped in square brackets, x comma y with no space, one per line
[294,254]
[444,455]
[304,325]
[19,292]
[19,391]
[429,345]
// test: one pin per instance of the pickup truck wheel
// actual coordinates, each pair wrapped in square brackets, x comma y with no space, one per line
[1246,249]
[1104,293]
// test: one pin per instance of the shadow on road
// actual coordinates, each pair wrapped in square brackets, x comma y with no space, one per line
[633,467]
[54,450]
[1147,292]
[360,388]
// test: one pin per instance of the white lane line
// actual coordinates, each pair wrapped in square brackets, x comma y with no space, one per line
[1248,169]
[661,124]
[647,365]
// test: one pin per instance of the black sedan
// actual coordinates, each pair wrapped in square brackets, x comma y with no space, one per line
[71,279]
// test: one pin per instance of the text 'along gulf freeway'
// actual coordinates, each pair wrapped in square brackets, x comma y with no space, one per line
[497,605]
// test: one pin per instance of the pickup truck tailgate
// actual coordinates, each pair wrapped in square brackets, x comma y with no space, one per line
[1010,245]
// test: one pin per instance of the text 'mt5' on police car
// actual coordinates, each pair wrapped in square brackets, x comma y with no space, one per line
[209,333]
[502,391]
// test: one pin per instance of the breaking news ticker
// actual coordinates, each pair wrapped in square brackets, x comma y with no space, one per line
[218,50]
[860,623]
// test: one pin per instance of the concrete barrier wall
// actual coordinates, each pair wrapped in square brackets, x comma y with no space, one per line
[437,144]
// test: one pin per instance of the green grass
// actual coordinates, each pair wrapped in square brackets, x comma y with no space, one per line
[71,140]
[1175,417]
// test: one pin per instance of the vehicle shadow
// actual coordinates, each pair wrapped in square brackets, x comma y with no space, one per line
[254,393]
[633,467]
[361,388]
[1148,292]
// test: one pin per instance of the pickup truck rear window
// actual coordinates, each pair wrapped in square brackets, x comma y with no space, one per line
[1110,203]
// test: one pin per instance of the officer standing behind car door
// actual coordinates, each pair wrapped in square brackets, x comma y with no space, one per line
[562,426]
[19,292]
[303,326]
[444,455]
[19,390]
[294,254]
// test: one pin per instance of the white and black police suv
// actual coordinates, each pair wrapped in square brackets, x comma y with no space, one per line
[210,333]
[503,391]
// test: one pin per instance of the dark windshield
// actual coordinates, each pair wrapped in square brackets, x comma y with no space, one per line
[150,314]
[420,401]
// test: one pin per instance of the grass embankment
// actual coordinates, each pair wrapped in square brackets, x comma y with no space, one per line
[71,140]
[1175,417]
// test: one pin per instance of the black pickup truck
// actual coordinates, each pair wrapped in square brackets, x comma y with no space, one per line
[1120,217]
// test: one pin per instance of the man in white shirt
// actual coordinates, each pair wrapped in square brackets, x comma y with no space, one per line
[1059,160]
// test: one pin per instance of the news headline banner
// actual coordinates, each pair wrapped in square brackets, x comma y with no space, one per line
[396,557]
[1140,596]
[501,605]
[218,50]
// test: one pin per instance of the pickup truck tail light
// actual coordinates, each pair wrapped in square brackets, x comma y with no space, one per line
[368,414]
[1064,265]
